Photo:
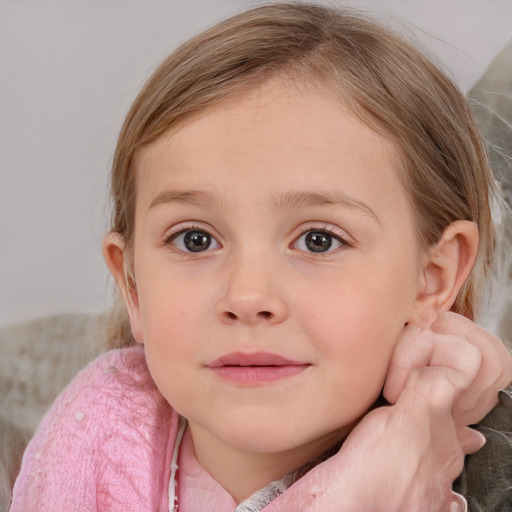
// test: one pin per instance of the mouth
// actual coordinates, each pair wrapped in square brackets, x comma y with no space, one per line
[251,369]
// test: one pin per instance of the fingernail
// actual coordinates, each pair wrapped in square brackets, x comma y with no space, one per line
[482,439]
[459,504]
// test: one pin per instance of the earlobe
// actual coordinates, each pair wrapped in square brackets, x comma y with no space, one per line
[448,265]
[115,258]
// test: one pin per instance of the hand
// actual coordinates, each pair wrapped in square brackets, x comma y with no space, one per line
[405,457]
[481,364]
[401,458]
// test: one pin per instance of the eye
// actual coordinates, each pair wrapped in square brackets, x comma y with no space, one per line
[319,241]
[193,240]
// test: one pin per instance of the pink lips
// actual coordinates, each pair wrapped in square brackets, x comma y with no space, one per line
[255,368]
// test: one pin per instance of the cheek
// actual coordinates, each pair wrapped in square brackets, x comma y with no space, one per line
[357,324]
[171,334]
[354,342]
[168,299]
[173,317]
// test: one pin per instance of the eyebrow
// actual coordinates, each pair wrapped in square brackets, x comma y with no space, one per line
[292,200]
[192,197]
[286,201]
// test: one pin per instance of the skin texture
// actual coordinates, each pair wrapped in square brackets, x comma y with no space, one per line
[244,174]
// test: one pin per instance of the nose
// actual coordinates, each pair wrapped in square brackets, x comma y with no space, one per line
[252,294]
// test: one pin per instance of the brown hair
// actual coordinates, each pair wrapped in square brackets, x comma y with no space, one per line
[382,78]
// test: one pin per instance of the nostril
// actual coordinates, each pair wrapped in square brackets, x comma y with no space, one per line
[262,315]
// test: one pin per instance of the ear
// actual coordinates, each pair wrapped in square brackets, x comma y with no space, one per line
[118,264]
[447,266]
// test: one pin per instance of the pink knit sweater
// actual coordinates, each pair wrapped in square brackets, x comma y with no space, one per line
[106,444]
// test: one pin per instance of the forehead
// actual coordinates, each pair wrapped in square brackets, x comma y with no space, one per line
[277,133]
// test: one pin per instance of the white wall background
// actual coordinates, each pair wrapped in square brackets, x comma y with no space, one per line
[68,73]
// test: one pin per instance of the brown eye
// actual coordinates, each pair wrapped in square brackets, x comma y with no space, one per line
[196,241]
[318,242]
[193,240]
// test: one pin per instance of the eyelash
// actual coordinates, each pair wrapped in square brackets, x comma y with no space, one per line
[171,239]
[323,230]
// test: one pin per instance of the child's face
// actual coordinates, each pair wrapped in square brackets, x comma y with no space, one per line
[273,230]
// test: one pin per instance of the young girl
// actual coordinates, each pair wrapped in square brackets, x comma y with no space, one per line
[300,200]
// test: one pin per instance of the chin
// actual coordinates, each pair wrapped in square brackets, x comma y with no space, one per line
[260,441]
[277,435]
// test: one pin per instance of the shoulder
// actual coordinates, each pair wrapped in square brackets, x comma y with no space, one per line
[119,373]
[485,481]
[102,437]
[113,386]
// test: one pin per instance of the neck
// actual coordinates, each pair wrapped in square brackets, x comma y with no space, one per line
[242,473]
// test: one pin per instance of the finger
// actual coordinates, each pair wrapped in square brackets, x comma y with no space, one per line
[457,354]
[429,392]
[457,503]
[470,440]
[474,403]
[422,347]
[495,371]
[495,354]
[412,352]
